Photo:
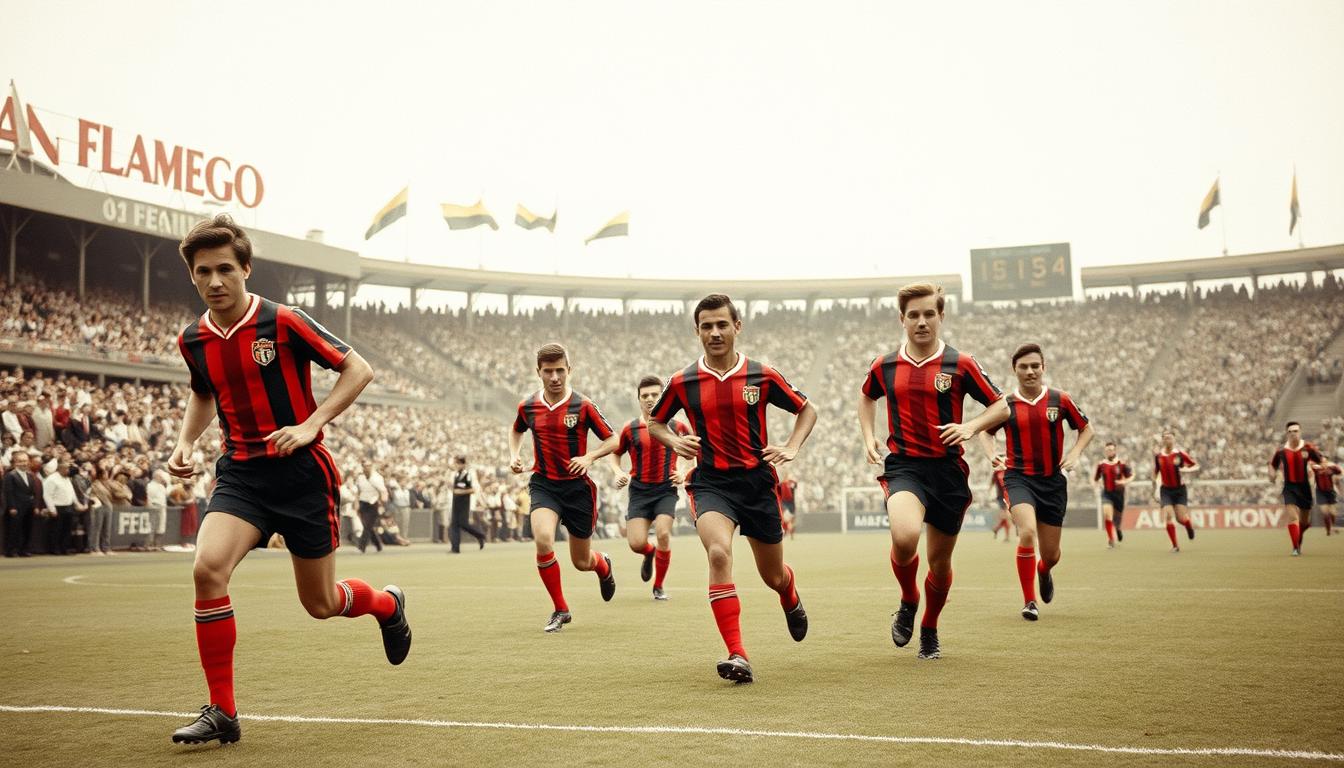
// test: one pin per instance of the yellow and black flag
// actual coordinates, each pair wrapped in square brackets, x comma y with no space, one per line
[467,216]
[395,209]
[619,226]
[1211,201]
[529,220]
[1294,211]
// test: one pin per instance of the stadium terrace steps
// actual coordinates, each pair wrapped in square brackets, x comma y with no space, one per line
[494,400]
[1312,405]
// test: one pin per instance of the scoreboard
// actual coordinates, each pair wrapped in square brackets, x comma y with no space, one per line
[1021,272]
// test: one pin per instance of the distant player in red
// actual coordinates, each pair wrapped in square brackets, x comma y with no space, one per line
[1294,459]
[1111,476]
[1033,418]
[1000,496]
[1327,474]
[560,489]
[924,478]
[653,479]
[788,495]
[249,363]
[725,394]
[1170,466]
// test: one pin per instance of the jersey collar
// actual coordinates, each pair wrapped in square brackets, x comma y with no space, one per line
[254,303]
[920,363]
[741,361]
[541,395]
[1018,394]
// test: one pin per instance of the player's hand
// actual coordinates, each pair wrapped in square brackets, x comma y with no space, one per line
[516,465]
[578,466]
[1068,464]
[687,446]
[678,477]
[287,440]
[180,463]
[998,462]
[622,480]
[955,434]
[874,449]
[779,454]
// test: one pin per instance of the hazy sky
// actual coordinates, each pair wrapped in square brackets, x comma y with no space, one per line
[746,139]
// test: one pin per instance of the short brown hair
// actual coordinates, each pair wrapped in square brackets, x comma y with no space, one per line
[916,291]
[212,233]
[1027,349]
[715,301]
[550,353]
[649,381]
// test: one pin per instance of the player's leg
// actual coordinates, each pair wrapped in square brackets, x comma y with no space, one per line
[579,516]
[715,530]
[637,536]
[779,576]
[938,547]
[1183,517]
[905,516]
[662,555]
[1108,520]
[1048,538]
[544,522]
[1169,517]
[1024,516]
[1328,518]
[324,597]
[1294,517]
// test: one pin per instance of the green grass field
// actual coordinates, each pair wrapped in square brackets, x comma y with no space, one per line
[1230,644]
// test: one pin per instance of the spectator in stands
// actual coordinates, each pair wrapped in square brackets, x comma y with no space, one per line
[156,499]
[100,525]
[23,497]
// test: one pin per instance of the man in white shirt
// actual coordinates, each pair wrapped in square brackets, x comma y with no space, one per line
[9,420]
[372,493]
[62,504]
[156,494]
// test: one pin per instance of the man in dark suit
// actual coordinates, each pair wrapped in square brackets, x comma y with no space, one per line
[23,495]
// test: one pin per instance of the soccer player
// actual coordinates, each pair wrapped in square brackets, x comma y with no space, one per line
[1033,418]
[724,394]
[924,478]
[1170,466]
[560,490]
[1113,474]
[1293,458]
[1000,495]
[1327,476]
[249,363]
[788,495]
[653,481]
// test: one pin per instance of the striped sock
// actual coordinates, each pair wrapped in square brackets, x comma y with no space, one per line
[359,599]
[1026,572]
[216,634]
[661,560]
[727,611]
[549,569]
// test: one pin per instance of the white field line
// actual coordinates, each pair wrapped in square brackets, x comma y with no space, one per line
[1286,754]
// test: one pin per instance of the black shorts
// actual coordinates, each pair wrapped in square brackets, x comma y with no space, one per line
[1297,494]
[1326,497]
[939,484]
[575,501]
[1170,497]
[1115,498]
[649,500]
[1048,494]
[748,497]
[297,496]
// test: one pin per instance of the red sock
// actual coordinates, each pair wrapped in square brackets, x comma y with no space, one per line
[549,568]
[936,588]
[906,576]
[788,597]
[1110,530]
[1295,533]
[1026,572]
[1189,524]
[1042,567]
[360,599]
[661,560]
[600,565]
[1171,534]
[727,610]
[216,634]
[648,549]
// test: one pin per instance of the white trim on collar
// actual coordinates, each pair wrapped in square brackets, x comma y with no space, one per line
[741,361]
[920,363]
[239,323]
[1018,394]
[541,395]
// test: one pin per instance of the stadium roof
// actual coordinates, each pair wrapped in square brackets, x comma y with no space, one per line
[407,275]
[1216,268]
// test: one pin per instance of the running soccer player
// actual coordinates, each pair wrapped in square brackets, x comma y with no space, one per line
[248,359]
[1293,458]
[1113,474]
[1000,495]
[560,490]
[925,478]
[1327,477]
[1170,466]
[724,394]
[653,479]
[1033,418]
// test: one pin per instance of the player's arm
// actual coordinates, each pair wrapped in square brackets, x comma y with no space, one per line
[515,451]
[867,417]
[200,412]
[1194,465]
[578,466]
[622,477]
[685,446]
[355,375]
[802,427]
[987,446]
[1079,445]
[993,416]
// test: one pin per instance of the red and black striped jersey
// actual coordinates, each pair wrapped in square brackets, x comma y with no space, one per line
[728,411]
[650,461]
[1109,472]
[560,431]
[257,371]
[1035,430]
[1325,476]
[1167,467]
[1293,461]
[921,395]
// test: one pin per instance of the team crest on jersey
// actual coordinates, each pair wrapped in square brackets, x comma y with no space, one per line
[571,419]
[752,395]
[942,381]
[1052,414]
[263,351]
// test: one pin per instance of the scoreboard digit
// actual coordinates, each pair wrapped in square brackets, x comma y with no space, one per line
[1021,272]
